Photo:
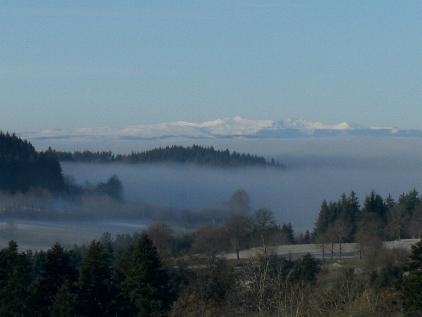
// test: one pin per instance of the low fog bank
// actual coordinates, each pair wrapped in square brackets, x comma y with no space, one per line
[357,147]
[38,218]
[317,169]
[294,194]
[322,152]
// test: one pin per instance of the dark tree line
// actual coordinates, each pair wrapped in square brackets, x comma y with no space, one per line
[125,276]
[379,218]
[23,168]
[172,154]
[133,275]
[96,280]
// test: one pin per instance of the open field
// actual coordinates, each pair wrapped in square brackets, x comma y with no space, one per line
[40,235]
[348,250]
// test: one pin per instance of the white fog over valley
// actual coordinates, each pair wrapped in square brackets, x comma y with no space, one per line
[246,158]
[320,168]
[316,169]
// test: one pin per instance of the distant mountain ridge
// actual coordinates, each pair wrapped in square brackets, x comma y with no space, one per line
[237,127]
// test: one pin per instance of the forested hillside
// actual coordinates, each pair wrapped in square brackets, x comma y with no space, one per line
[22,167]
[173,154]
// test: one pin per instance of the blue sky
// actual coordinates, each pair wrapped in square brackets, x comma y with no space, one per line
[115,63]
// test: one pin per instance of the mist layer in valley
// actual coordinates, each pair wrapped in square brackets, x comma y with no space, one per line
[316,169]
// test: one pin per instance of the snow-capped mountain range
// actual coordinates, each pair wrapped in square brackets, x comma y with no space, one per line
[236,127]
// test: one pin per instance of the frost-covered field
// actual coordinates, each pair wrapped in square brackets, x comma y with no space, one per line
[296,250]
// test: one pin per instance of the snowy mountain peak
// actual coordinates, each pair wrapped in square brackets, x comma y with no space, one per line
[226,128]
[302,124]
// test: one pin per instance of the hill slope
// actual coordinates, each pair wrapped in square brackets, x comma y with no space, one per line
[173,154]
[22,167]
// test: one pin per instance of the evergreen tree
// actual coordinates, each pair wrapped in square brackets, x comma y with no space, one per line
[65,302]
[307,238]
[409,200]
[389,201]
[288,233]
[57,269]
[15,281]
[351,213]
[412,286]
[144,280]
[306,269]
[96,288]
[345,211]
[195,154]
[162,237]
[325,218]
[375,204]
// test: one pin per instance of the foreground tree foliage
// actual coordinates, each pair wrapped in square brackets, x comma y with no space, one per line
[86,281]
[144,281]
[163,272]
[96,287]
[15,279]
[207,291]
[412,287]
[124,276]
[65,302]
[54,272]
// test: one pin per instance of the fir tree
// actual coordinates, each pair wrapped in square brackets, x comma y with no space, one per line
[53,273]
[144,280]
[412,286]
[96,289]
[64,303]
[15,281]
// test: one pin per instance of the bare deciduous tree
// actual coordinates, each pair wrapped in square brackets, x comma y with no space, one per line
[239,229]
